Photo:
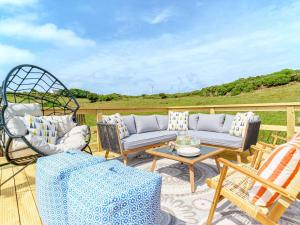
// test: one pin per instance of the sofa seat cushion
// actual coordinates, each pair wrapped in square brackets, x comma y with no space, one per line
[149,138]
[220,139]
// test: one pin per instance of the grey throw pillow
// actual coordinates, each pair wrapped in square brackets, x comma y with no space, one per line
[193,121]
[211,122]
[146,124]
[227,123]
[162,121]
[130,123]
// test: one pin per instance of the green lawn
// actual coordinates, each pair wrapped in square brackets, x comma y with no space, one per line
[286,93]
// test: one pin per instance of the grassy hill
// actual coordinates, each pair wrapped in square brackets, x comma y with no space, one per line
[285,93]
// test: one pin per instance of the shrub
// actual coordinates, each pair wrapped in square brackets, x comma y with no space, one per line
[162,95]
[93,97]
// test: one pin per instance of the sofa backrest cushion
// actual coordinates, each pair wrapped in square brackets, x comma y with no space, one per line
[130,123]
[210,122]
[193,121]
[228,122]
[162,121]
[146,124]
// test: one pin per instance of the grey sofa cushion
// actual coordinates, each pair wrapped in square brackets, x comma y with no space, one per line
[149,138]
[146,124]
[210,122]
[130,123]
[227,123]
[193,121]
[162,121]
[214,138]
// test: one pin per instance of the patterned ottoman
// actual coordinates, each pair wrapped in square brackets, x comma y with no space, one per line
[52,177]
[111,193]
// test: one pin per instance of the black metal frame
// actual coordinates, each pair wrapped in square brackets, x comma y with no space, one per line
[32,84]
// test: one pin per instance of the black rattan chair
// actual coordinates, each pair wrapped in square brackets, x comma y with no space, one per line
[32,84]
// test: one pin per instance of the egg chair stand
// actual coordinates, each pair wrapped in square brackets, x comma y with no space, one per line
[32,84]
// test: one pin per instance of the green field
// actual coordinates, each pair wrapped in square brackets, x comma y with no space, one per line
[285,93]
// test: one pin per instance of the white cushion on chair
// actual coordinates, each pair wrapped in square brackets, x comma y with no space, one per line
[20,109]
[65,123]
[16,126]
[73,140]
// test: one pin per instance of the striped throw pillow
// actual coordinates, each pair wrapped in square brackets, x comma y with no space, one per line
[281,168]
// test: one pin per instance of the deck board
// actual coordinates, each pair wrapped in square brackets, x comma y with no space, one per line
[9,207]
[26,202]
[17,199]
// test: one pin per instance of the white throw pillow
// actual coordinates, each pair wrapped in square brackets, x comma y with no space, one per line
[117,120]
[41,130]
[178,121]
[64,123]
[239,124]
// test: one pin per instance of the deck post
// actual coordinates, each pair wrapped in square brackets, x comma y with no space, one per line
[290,120]
[98,119]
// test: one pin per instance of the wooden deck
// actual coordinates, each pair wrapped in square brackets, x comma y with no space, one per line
[17,199]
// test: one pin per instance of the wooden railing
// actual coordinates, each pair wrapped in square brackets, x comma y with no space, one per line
[289,108]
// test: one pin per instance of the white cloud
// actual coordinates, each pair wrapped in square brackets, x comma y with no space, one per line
[11,55]
[18,2]
[161,17]
[49,32]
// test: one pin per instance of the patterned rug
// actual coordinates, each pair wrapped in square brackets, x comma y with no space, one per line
[180,206]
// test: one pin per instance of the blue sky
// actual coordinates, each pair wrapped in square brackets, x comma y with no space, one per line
[133,46]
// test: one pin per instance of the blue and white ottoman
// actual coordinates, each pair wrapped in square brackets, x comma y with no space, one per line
[52,178]
[111,193]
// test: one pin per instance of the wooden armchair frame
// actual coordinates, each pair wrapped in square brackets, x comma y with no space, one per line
[270,215]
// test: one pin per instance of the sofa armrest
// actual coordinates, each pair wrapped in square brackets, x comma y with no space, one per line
[109,137]
[251,135]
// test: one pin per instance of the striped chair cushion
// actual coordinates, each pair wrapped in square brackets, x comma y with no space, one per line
[281,167]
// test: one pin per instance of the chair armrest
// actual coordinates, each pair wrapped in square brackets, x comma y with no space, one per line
[251,135]
[109,137]
[277,137]
[257,178]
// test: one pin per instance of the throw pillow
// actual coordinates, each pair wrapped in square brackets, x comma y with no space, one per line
[239,124]
[65,123]
[178,121]
[116,119]
[41,129]
[281,168]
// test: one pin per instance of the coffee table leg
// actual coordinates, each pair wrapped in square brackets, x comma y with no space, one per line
[217,164]
[154,163]
[192,178]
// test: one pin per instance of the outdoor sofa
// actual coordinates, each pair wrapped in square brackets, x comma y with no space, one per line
[152,131]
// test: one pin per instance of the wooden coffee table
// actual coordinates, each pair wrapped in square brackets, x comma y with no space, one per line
[206,152]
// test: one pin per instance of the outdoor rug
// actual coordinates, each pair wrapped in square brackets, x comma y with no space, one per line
[180,206]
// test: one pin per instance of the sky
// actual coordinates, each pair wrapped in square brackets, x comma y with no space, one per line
[142,46]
